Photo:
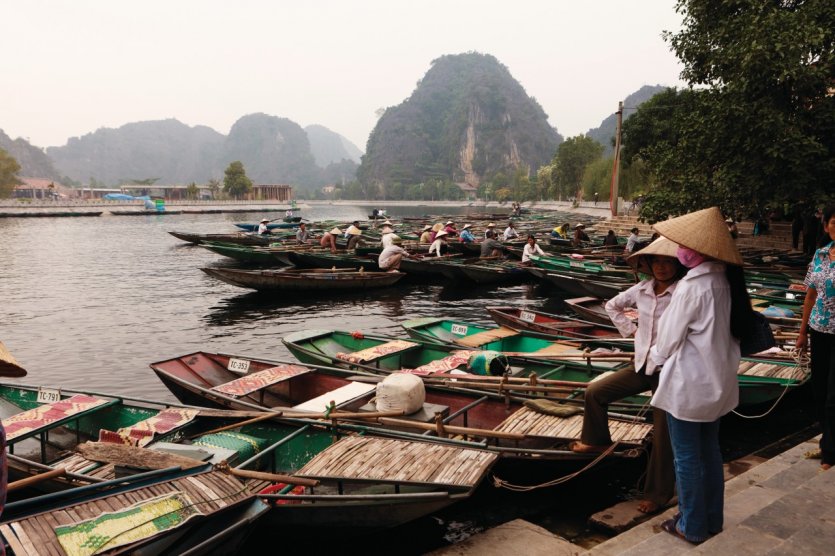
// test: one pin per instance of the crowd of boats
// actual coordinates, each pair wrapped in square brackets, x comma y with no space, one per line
[306,444]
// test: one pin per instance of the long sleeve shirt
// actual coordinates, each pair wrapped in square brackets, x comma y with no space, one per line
[821,278]
[650,308]
[694,346]
[436,247]
[527,251]
[510,233]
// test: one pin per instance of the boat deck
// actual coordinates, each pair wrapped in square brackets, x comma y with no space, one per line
[532,423]
[379,459]
[36,536]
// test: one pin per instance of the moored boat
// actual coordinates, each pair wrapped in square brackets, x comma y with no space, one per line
[305,279]
[558,326]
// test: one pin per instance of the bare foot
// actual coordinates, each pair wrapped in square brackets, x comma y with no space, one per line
[648,507]
[580,448]
[826,466]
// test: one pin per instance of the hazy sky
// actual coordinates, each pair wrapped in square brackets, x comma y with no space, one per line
[69,68]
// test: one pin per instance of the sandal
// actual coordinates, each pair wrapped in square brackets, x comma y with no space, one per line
[579,448]
[671,526]
[813,454]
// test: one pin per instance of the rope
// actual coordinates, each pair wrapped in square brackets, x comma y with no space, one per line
[500,483]
[802,359]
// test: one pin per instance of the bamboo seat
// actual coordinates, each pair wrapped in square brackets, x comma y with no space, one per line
[374,353]
[260,380]
[771,370]
[338,396]
[486,337]
[531,423]
[52,415]
[366,458]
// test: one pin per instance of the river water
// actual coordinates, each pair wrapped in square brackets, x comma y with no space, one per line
[88,303]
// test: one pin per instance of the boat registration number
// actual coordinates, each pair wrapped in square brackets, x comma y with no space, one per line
[576,264]
[459,329]
[238,365]
[48,395]
[527,316]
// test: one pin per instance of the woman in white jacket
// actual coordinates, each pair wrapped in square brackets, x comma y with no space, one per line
[697,352]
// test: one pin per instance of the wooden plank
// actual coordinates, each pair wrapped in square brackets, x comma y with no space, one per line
[11,538]
[23,537]
[122,454]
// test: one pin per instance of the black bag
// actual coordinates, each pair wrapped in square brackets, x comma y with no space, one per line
[758,337]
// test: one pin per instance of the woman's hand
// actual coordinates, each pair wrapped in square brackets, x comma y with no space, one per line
[802,340]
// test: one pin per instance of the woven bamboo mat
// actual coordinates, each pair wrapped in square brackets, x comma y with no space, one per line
[770,370]
[529,422]
[357,457]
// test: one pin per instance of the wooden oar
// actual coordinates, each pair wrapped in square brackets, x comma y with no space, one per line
[35,479]
[271,477]
[467,431]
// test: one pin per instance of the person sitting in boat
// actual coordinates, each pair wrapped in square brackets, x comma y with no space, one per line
[387,233]
[302,234]
[580,236]
[651,297]
[263,228]
[631,241]
[434,232]
[354,224]
[510,232]
[449,228]
[426,235]
[490,228]
[531,248]
[490,247]
[561,232]
[611,239]
[289,213]
[390,257]
[329,239]
[439,246]
[354,237]
[466,234]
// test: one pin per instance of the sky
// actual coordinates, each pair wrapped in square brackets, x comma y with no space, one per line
[69,68]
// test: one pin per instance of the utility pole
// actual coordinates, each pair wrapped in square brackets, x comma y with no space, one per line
[613,191]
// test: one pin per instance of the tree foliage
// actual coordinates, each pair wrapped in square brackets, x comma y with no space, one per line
[570,162]
[758,124]
[8,174]
[235,182]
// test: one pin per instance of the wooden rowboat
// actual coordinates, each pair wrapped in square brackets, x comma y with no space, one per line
[305,279]
[592,308]
[557,326]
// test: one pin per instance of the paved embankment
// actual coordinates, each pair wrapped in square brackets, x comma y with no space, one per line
[783,506]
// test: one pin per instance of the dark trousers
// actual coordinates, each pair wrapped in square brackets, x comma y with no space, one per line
[660,480]
[823,389]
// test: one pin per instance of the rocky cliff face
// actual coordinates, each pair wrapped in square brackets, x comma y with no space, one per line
[468,119]
[34,163]
[605,133]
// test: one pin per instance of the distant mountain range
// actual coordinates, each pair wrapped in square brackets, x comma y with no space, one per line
[468,119]
[605,133]
[272,149]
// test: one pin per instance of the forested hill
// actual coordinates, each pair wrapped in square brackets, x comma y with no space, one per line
[467,120]
[272,149]
[34,163]
[605,133]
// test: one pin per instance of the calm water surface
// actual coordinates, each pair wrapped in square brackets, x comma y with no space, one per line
[88,303]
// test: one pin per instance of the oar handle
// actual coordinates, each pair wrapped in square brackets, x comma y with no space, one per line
[35,479]
[272,477]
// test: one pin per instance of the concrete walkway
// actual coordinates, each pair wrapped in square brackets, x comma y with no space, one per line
[783,506]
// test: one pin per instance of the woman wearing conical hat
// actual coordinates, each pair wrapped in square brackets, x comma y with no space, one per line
[651,297]
[329,239]
[697,354]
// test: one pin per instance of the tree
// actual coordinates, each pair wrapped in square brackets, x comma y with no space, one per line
[8,174]
[192,191]
[573,155]
[758,124]
[235,182]
[214,186]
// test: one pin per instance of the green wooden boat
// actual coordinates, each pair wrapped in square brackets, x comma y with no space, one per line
[384,355]
[244,253]
[343,486]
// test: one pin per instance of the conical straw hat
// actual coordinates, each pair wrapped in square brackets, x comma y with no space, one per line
[704,231]
[661,246]
[8,365]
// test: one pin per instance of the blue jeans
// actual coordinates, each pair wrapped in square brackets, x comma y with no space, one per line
[699,476]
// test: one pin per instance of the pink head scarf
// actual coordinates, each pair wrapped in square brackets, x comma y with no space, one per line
[688,257]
